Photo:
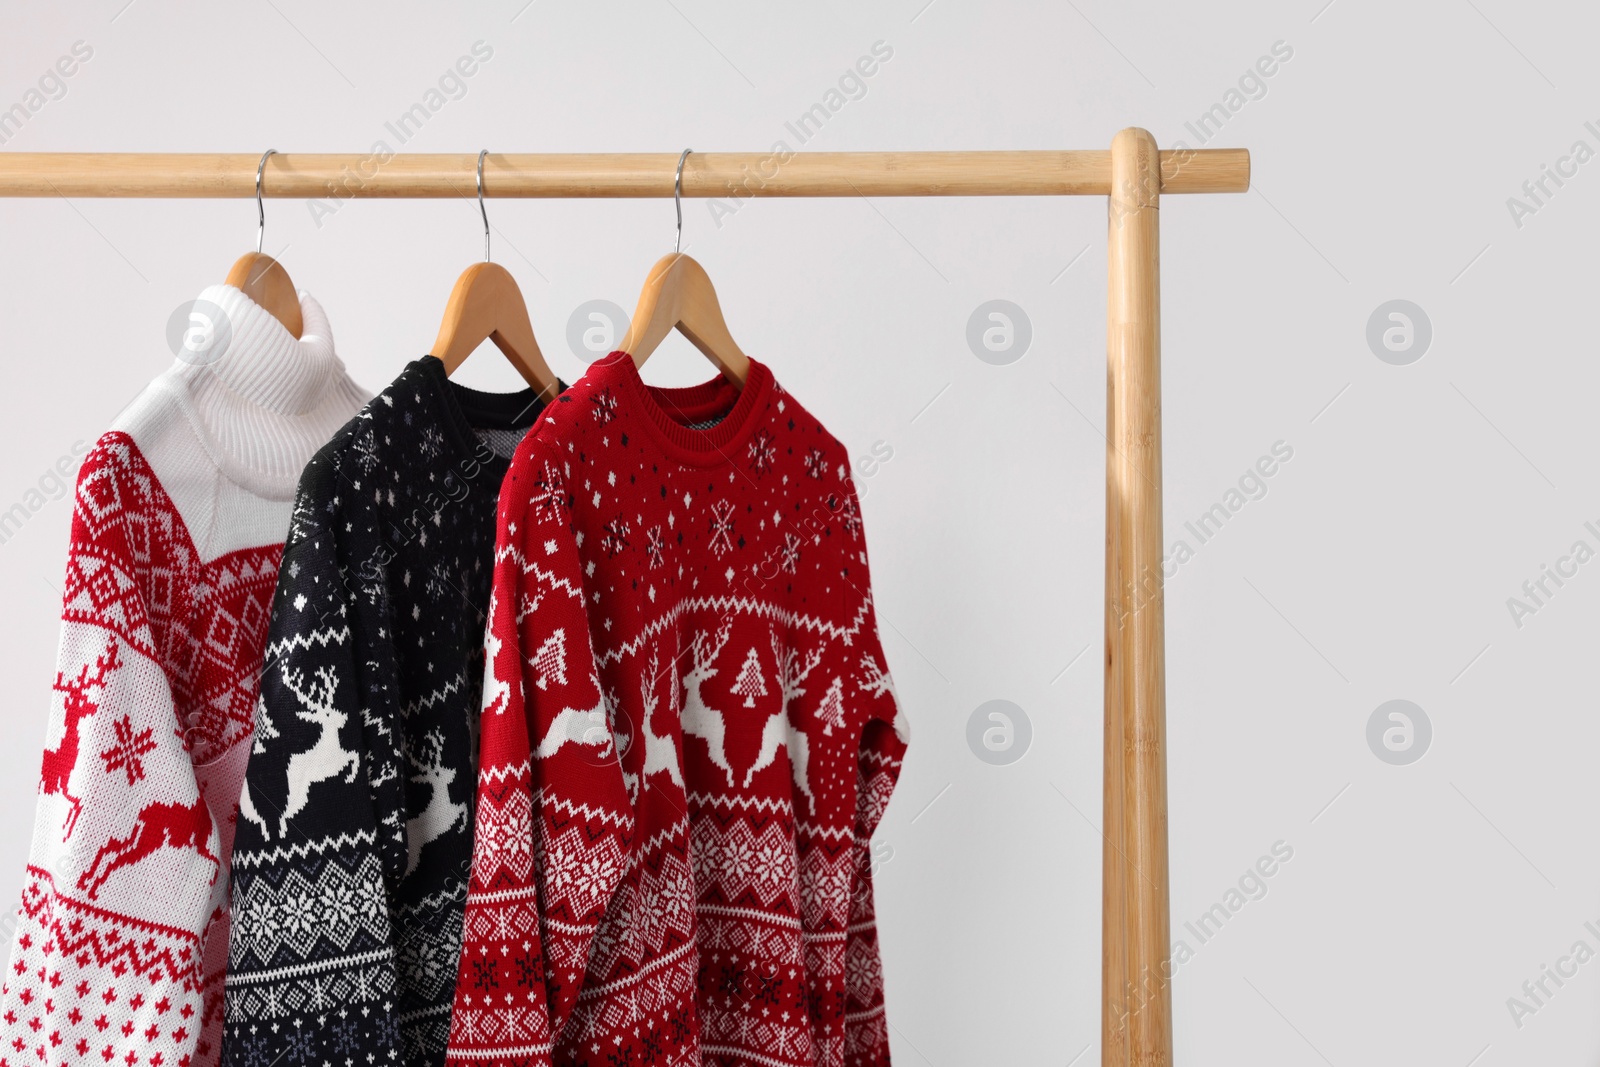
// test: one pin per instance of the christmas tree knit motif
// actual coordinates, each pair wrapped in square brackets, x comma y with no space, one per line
[831,712]
[671,859]
[751,684]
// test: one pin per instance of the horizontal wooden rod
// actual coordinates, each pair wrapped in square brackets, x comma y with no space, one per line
[709,174]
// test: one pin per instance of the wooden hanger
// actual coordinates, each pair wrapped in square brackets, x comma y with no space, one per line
[487,305]
[262,278]
[679,295]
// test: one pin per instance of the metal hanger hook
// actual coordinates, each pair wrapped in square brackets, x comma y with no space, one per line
[261,211]
[677,199]
[481,209]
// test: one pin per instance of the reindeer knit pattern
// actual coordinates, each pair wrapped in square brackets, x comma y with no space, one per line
[355,833]
[688,737]
[177,528]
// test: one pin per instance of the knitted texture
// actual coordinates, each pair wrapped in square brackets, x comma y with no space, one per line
[688,737]
[355,836]
[121,941]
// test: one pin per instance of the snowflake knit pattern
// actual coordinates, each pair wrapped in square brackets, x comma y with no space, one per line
[177,528]
[356,835]
[688,737]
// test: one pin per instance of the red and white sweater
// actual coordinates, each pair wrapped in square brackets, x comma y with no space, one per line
[688,737]
[179,520]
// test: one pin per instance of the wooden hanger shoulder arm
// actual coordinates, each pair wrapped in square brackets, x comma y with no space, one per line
[487,304]
[678,294]
[263,280]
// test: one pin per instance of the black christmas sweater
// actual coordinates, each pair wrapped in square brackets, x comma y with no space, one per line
[354,841]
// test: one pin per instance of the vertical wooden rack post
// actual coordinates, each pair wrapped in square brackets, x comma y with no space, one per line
[1136,1001]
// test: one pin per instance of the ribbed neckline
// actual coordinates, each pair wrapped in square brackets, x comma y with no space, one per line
[465,409]
[267,365]
[270,400]
[664,410]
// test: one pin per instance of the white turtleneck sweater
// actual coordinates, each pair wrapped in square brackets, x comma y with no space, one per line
[182,507]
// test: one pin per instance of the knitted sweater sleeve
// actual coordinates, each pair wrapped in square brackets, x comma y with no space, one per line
[108,947]
[885,736]
[311,970]
[554,822]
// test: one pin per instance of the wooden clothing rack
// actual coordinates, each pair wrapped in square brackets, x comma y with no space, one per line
[1136,1000]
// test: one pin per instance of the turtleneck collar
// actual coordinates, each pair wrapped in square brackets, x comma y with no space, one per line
[264,363]
[266,404]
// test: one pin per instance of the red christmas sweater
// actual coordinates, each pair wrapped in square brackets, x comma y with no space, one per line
[688,736]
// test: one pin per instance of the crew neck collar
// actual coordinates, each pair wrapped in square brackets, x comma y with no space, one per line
[464,410]
[665,410]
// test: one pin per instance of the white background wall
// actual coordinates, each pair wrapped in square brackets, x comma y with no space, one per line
[1376,567]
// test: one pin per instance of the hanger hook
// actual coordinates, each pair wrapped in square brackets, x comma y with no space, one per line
[261,211]
[677,199]
[481,209]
